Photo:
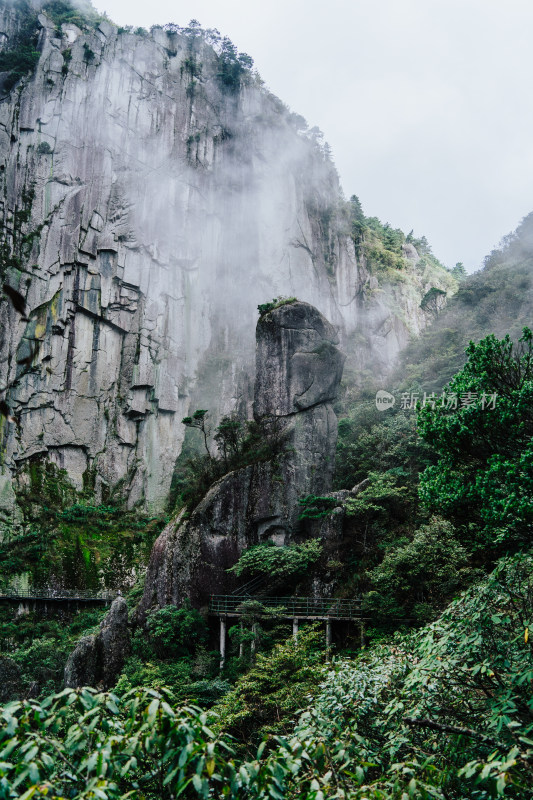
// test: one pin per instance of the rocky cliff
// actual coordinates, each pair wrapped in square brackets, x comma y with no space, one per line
[152,193]
[298,373]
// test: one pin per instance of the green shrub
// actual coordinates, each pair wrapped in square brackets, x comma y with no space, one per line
[176,631]
[81,13]
[278,562]
[88,53]
[483,480]
[85,744]
[67,58]
[265,700]
[277,302]
[416,579]
[314,507]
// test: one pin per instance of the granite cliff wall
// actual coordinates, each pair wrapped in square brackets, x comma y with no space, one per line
[147,205]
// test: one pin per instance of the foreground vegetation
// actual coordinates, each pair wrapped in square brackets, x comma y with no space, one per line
[446,712]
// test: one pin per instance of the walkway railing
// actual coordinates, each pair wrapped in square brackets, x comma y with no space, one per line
[299,607]
[57,595]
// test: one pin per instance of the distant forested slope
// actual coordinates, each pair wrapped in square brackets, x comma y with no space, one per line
[498,299]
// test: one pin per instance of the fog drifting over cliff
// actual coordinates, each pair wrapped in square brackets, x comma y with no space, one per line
[424,104]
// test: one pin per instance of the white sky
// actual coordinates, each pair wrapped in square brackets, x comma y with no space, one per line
[427,104]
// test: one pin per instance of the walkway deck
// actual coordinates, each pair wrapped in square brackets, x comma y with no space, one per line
[322,608]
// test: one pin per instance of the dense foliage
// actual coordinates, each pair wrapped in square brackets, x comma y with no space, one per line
[34,649]
[387,250]
[484,477]
[278,562]
[171,651]
[21,58]
[445,713]
[442,713]
[238,443]
[82,744]
[380,457]
[80,545]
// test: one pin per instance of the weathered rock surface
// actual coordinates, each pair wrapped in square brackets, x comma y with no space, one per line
[114,641]
[297,346]
[298,364]
[98,659]
[83,667]
[146,210]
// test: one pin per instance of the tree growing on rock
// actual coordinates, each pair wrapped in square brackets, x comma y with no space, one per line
[198,420]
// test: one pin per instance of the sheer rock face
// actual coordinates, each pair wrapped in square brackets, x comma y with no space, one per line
[151,210]
[297,346]
[146,210]
[98,659]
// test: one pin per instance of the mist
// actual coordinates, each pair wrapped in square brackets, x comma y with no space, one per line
[423,104]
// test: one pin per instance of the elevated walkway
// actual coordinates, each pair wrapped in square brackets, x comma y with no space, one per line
[42,599]
[317,609]
[322,608]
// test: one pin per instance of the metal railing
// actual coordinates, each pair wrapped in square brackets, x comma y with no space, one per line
[251,587]
[300,607]
[58,595]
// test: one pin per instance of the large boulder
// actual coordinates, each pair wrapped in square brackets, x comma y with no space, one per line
[98,659]
[114,641]
[83,667]
[298,365]
[298,371]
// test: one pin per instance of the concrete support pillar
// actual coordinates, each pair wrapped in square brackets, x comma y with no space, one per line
[241,643]
[222,642]
[362,633]
[253,642]
[295,628]
[328,637]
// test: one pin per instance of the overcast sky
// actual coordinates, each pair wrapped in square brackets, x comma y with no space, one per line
[427,104]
